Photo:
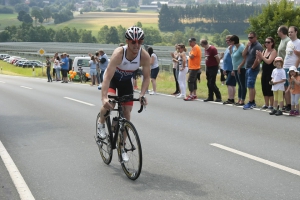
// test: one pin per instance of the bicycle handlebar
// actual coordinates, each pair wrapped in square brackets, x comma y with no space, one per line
[123,99]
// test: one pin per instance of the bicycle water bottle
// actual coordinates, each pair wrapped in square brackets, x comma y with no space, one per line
[114,124]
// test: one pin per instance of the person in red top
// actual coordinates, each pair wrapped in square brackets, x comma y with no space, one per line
[212,61]
[194,64]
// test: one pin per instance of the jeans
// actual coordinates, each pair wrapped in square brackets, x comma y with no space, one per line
[240,79]
[57,73]
[48,74]
[211,75]
[101,75]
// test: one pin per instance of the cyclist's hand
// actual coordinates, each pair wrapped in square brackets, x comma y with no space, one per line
[143,100]
[106,104]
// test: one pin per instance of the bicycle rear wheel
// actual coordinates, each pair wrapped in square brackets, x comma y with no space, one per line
[132,147]
[104,145]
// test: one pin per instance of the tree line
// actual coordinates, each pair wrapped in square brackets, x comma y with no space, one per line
[209,18]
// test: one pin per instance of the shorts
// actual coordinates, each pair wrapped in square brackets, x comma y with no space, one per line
[286,84]
[64,73]
[154,72]
[251,76]
[93,72]
[123,87]
[230,80]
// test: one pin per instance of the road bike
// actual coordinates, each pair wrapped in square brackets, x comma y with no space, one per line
[82,76]
[121,135]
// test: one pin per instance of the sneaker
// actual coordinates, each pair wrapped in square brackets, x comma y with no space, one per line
[273,112]
[125,157]
[136,88]
[189,98]
[264,107]
[181,96]
[101,131]
[195,97]
[208,99]
[228,102]
[253,105]
[287,108]
[291,113]
[152,93]
[296,112]
[279,112]
[270,108]
[239,104]
[218,100]
[248,106]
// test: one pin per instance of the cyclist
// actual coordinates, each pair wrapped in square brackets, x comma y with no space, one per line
[118,75]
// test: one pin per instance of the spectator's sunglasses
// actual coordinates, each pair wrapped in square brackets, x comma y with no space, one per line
[134,41]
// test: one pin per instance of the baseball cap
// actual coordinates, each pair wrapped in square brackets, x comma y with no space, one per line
[192,40]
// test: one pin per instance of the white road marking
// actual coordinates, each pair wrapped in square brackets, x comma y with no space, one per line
[20,184]
[26,87]
[278,166]
[89,104]
[2,82]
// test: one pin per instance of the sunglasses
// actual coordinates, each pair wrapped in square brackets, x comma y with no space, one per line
[267,42]
[139,41]
[250,38]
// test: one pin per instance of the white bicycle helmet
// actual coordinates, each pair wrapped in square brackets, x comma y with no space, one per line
[134,33]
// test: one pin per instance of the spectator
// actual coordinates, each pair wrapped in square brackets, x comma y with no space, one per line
[267,57]
[48,66]
[291,59]
[103,59]
[222,73]
[57,68]
[183,69]
[228,70]
[277,82]
[64,67]
[70,62]
[252,67]
[283,32]
[174,56]
[294,88]
[97,55]
[93,70]
[194,65]
[238,63]
[212,62]
[154,69]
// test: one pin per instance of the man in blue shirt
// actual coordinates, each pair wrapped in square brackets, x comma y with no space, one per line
[228,69]
[64,67]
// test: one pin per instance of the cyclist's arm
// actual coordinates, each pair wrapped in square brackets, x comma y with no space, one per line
[145,63]
[115,60]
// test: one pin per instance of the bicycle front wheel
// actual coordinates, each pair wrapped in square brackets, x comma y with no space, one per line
[132,146]
[104,145]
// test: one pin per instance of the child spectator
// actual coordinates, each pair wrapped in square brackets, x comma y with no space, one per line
[294,87]
[277,82]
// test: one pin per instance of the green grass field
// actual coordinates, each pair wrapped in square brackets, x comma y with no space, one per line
[8,20]
[165,82]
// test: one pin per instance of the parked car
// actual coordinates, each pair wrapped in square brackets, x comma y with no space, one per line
[19,62]
[2,56]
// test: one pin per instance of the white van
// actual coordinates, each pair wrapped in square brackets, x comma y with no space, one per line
[81,62]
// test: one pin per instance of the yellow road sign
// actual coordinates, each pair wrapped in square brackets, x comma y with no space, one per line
[41,51]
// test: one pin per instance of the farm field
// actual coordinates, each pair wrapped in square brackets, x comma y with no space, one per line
[95,20]
[8,20]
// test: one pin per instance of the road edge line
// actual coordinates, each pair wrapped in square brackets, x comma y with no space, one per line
[19,182]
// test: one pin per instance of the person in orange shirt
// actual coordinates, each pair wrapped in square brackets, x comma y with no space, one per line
[194,64]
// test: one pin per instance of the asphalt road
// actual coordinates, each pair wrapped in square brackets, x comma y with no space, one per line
[191,150]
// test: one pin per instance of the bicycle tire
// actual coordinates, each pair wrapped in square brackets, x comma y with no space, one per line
[105,146]
[133,147]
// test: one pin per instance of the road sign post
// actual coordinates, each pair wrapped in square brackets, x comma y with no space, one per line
[42,52]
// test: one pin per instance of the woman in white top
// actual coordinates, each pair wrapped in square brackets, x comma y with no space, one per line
[57,68]
[183,69]
[154,69]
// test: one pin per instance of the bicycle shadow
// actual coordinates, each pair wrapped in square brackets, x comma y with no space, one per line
[160,182]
